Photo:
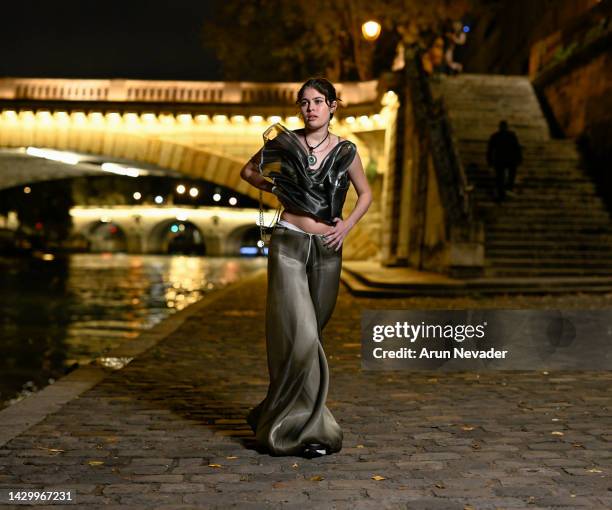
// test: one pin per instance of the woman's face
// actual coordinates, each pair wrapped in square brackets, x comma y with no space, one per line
[315,111]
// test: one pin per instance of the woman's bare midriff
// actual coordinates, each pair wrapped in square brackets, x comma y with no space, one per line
[306,223]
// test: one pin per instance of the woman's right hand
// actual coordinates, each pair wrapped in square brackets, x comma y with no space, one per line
[250,173]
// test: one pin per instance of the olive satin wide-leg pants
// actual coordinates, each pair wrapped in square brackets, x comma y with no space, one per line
[303,281]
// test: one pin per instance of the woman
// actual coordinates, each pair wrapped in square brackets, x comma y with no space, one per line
[310,170]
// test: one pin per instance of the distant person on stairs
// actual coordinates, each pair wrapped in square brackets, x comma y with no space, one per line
[505,155]
[453,36]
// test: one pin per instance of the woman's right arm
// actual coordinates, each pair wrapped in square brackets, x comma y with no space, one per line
[250,173]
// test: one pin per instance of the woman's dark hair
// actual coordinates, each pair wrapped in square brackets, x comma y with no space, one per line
[322,85]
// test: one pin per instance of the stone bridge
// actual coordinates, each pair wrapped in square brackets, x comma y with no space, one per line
[203,130]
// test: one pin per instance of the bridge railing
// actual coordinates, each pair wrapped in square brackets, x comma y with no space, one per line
[121,90]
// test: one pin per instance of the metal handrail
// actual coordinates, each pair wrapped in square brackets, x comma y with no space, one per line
[432,117]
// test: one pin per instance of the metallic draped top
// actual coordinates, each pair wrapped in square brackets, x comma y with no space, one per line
[320,192]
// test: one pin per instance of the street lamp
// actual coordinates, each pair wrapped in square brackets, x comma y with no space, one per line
[370,30]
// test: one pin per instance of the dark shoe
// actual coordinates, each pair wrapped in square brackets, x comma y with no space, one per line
[313,450]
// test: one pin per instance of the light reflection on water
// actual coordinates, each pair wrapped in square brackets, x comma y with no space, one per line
[55,314]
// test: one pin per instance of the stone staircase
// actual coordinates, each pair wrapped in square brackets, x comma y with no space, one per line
[557,225]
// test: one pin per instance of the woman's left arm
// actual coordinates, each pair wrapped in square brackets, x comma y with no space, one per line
[335,237]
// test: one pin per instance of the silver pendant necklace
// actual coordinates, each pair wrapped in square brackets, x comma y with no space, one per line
[312,159]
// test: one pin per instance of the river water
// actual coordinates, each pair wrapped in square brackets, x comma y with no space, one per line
[58,314]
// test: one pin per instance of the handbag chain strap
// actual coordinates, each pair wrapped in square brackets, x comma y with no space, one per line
[263,235]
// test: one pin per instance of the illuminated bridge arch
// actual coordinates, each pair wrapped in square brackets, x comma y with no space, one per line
[193,162]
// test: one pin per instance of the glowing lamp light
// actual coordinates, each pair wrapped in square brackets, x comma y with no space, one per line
[27,190]
[260,243]
[370,30]
[193,192]
[114,168]
[389,98]
[137,195]
[167,119]
[61,117]
[53,155]
[159,199]
[180,189]
[174,229]
[44,117]
[26,116]
[78,118]
[96,118]
[113,117]
[216,197]
[466,29]
[148,118]
[131,118]
[233,201]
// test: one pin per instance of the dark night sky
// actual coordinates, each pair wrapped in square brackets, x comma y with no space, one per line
[155,39]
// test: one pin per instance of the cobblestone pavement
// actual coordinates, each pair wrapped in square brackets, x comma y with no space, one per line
[169,430]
